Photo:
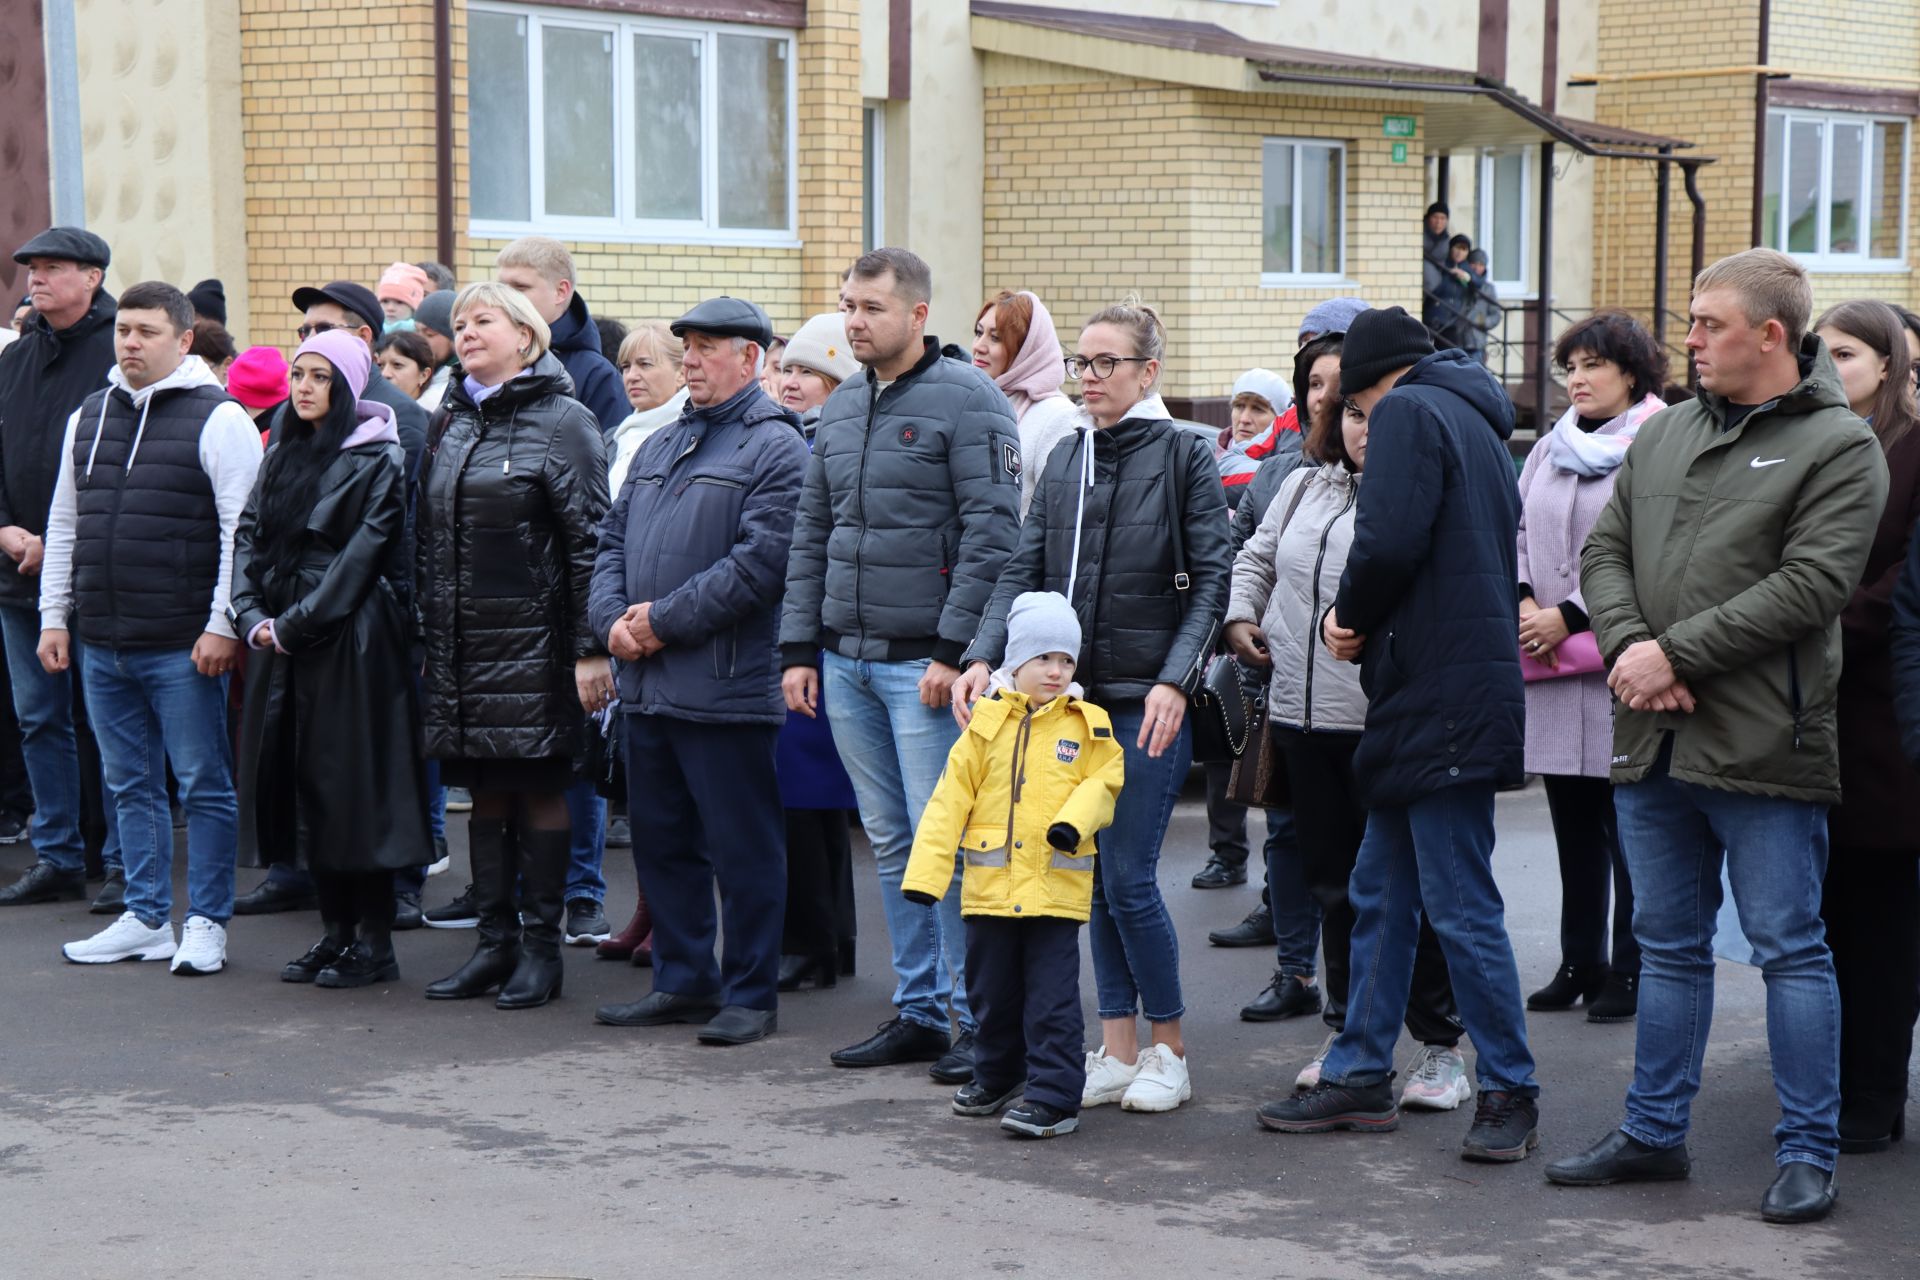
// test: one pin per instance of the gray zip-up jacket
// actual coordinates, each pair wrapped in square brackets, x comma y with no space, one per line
[910,509]
[1285,579]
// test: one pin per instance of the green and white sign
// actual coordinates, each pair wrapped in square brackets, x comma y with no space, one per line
[1396,126]
[1399,153]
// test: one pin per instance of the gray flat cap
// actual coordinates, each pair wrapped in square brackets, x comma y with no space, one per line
[69,244]
[726,318]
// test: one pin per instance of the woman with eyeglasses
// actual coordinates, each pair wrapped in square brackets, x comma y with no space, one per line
[1872,900]
[1102,532]
[510,504]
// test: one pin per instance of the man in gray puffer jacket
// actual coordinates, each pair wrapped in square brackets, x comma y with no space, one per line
[909,511]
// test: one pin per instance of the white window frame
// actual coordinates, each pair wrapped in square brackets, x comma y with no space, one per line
[1783,118]
[1294,279]
[1510,290]
[875,111]
[624,227]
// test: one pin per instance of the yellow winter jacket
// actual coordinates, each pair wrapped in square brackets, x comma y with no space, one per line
[1012,775]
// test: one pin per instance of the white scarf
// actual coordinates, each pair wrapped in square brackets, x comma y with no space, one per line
[1597,453]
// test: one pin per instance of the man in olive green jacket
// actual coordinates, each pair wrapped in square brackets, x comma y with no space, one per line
[1738,527]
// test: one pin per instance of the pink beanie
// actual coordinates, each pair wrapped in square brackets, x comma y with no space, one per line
[257,378]
[403,282]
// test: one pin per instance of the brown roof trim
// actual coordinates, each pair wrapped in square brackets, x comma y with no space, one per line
[760,13]
[1815,95]
[1609,135]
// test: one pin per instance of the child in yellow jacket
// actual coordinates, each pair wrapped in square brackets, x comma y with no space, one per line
[1025,790]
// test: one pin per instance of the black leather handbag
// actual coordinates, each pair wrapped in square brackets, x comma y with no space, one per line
[1219,710]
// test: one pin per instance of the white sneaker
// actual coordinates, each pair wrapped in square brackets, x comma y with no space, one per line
[1108,1079]
[1436,1079]
[203,947]
[1310,1074]
[124,939]
[436,868]
[1162,1083]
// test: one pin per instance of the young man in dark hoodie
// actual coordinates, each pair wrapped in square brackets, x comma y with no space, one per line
[542,269]
[1426,607]
[61,358]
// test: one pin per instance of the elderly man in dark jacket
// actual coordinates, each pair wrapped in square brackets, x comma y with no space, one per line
[62,357]
[1427,603]
[686,592]
[910,510]
[1739,526]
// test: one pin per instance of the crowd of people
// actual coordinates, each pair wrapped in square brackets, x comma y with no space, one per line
[748,584]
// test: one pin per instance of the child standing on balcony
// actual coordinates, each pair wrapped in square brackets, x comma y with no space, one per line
[1025,790]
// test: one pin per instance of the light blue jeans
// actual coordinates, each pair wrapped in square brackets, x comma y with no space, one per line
[43,704]
[149,708]
[1136,956]
[1675,836]
[894,748]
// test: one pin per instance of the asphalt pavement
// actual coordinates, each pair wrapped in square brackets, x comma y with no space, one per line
[158,1125]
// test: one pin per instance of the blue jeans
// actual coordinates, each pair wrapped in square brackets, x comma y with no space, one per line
[894,748]
[1296,916]
[1673,835]
[1436,855]
[1136,958]
[149,708]
[43,704]
[587,810]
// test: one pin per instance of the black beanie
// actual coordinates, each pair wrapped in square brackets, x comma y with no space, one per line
[1378,342]
[209,299]
[1439,206]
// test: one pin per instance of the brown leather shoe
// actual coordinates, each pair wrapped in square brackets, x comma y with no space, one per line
[623,944]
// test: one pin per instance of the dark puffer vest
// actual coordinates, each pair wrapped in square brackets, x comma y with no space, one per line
[146,547]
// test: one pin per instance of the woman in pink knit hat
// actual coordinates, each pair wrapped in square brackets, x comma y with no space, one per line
[402,288]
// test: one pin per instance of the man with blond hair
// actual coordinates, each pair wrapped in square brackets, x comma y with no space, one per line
[1738,528]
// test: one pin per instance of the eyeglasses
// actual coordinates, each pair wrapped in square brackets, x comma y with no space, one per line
[1102,366]
[318,326]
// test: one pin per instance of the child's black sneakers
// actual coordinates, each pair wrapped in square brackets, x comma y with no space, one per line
[976,1099]
[1037,1120]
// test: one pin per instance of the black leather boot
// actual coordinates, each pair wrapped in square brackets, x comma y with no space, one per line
[543,880]
[498,950]
[1571,983]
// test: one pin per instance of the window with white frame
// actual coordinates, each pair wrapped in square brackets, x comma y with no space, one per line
[873,176]
[1834,193]
[1504,213]
[1303,235]
[585,125]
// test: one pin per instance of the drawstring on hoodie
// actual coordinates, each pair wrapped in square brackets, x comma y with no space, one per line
[100,424]
[1086,429]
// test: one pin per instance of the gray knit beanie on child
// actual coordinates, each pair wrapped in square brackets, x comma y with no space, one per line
[1040,622]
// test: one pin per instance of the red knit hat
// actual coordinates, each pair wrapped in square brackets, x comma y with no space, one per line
[257,378]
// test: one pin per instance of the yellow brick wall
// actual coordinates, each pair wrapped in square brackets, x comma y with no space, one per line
[1163,199]
[336,121]
[1835,40]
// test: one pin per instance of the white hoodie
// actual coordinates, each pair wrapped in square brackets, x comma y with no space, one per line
[229,453]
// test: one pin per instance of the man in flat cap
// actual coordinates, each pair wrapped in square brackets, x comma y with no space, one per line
[692,612]
[62,357]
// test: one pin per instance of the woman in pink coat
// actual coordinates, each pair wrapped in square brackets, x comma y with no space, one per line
[1615,372]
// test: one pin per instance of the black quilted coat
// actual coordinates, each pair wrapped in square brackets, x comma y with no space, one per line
[507,527]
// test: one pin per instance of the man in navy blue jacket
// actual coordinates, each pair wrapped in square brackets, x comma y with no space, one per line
[1427,605]
[686,594]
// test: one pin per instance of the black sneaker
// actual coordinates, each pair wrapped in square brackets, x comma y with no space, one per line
[1364,1108]
[1255,931]
[955,1066]
[459,800]
[976,1099]
[1038,1120]
[895,1042]
[1505,1128]
[1285,997]
[112,899]
[461,913]
[586,923]
[13,828]
[1218,875]
[406,912]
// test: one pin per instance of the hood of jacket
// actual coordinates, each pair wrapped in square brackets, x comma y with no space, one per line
[1460,373]
[750,405]
[544,377]
[1000,681]
[1819,386]
[193,372]
[99,315]
[574,330]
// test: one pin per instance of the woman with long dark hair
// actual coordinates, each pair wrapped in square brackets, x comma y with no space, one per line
[1102,532]
[330,776]
[1872,898]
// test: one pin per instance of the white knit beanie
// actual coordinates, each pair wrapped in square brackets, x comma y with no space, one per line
[1040,622]
[1266,384]
[821,345]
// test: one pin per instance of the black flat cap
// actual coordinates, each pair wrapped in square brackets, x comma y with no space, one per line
[726,318]
[69,244]
[356,298]
[209,299]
